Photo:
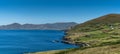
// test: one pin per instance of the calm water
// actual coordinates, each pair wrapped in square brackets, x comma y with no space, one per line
[21,41]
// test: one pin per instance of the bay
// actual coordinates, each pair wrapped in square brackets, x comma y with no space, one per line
[25,41]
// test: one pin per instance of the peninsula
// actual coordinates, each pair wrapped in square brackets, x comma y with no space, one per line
[97,36]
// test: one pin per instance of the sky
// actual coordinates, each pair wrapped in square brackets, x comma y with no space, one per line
[52,11]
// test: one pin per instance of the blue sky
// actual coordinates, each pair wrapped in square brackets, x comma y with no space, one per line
[51,11]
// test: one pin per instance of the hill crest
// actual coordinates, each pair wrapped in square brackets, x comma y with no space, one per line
[97,22]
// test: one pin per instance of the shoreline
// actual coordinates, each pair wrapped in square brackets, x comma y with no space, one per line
[68,41]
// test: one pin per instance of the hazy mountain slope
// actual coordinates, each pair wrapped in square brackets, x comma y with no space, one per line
[53,26]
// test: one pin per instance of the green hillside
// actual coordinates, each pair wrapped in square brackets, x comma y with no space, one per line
[97,36]
[100,31]
[97,23]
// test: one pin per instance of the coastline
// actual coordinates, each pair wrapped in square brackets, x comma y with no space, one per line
[69,41]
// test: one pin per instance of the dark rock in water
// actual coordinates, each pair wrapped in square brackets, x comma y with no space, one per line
[55,41]
[67,42]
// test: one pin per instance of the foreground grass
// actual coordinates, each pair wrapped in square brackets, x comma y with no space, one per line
[111,49]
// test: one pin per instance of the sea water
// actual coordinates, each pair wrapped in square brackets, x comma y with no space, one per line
[25,41]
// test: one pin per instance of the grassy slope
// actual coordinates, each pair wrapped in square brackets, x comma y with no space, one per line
[48,52]
[98,33]
[111,49]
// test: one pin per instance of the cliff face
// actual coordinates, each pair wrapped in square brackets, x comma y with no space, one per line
[54,26]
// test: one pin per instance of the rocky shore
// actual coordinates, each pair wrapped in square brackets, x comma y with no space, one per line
[69,41]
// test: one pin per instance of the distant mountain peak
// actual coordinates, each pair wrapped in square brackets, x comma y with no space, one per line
[15,24]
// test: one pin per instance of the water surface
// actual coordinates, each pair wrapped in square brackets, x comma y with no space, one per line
[21,41]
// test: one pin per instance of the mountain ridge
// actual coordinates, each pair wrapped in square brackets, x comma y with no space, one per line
[48,26]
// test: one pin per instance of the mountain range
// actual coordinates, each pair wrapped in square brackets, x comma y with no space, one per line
[48,26]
